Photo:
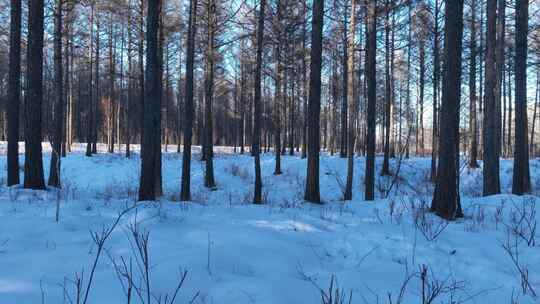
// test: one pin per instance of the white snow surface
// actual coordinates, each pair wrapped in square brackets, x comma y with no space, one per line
[279,252]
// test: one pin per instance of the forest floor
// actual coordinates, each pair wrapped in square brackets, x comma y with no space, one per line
[285,251]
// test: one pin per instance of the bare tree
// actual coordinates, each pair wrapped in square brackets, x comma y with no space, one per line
[352,104]
[473,128]
[491,133]
[33,161]
[185,193]
[147,188]
[58,113]
[371,49]
[209,181]
[446,201]
[257,196]
[521,182]
[14,93]
[314,106]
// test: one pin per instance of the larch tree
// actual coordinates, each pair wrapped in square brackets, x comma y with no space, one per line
[278,96]
[351,104]
[312,193]
[185,193]
[371,78]
[97,84]
[387,92]
[152,91]
[535,113]
[436,89]
[521,182]
[33,161]
[500,62]
[491,138]
[345,83]
[304,79]
[473,128]
[90,111]
[129,100]
[446,200]
[257,196]
[208,145]
[14,93]
[58,108]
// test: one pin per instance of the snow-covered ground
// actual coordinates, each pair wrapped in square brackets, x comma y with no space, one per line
[280,252]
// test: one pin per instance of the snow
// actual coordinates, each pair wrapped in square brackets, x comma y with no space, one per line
[280,252]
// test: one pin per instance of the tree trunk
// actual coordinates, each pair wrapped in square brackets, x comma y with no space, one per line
[209,181]
[33,162]
[97,93]
[90,110]
[499,59]
[352,104]
[532,149]
[422,52]
[157,133]
[446,201]
[127,109]
[141,84]
[70,83]
[408,115]
[436,83]
[278,96]
[257,197]
[314,107]
[344,91]
[387,92]
[112,71]
[304,81]
[14,93]
[371,78]
[185,194]
[521,182]
[58,108]
[243,76]
[473,128]
[509,128]
[147,189]
[491,133]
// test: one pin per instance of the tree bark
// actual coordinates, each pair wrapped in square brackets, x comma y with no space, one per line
[387,92]
[14,93]
[352,104]
[521,182]
[422,75]
[408,113]
[371,49]
[473,128]
[278,96]
[90,110]
[532,149]
[257,196]
[209,181]
[304,81]
[33,161]
[436,87]
[58,108]
[345,91]
[446,201]
[185,194]
[491,136]
[127,118]
[112,71]
[147,188]
[314,106]
[499,59]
